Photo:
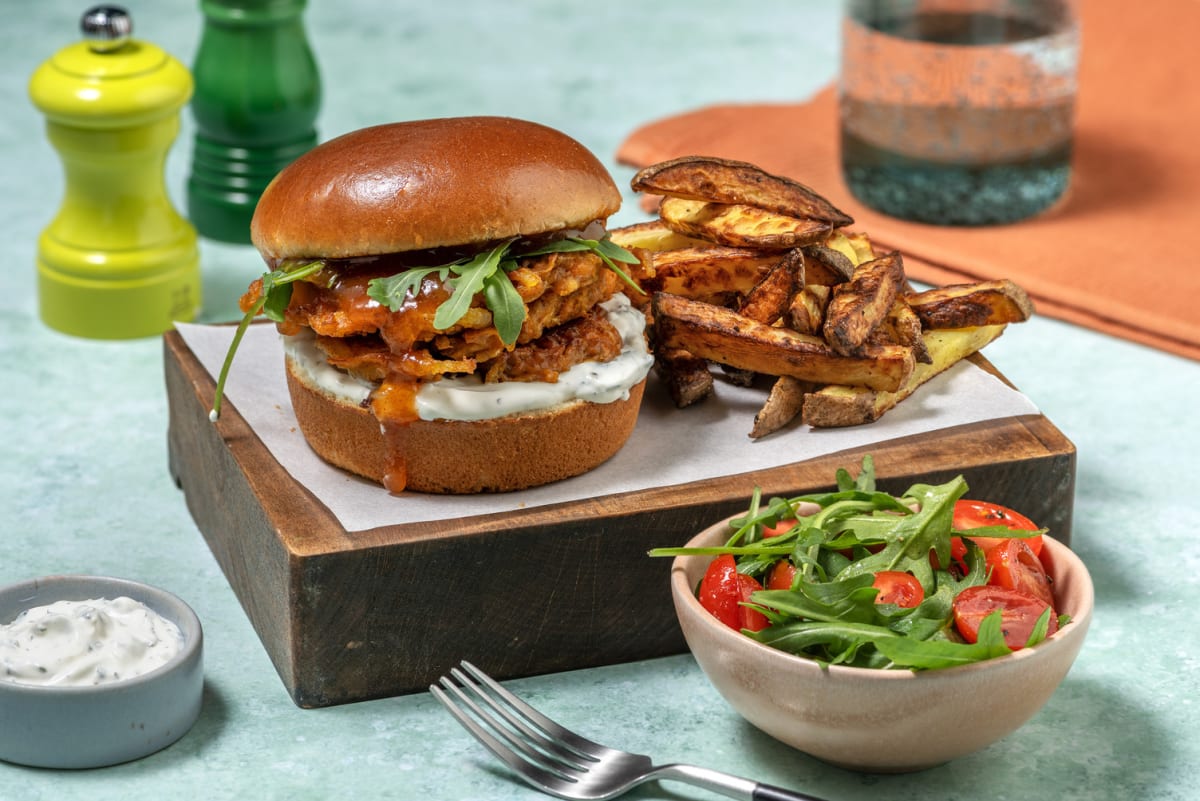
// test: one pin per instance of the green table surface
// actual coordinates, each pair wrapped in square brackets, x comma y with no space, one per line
[84,484]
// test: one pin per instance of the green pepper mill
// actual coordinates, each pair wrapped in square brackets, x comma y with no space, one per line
[258,92]
[118,261]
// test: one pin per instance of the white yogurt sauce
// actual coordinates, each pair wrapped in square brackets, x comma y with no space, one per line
[84,643]
[469,398]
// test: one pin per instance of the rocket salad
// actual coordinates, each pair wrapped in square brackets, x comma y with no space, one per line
[863,578]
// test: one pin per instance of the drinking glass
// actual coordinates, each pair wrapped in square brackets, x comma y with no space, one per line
[958,112]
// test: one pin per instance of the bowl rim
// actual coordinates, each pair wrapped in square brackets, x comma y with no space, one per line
[163,602]
[1077,627]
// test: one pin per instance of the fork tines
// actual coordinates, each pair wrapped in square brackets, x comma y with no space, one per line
[523,738]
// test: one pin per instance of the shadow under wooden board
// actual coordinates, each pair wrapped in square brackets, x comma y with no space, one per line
[350,616]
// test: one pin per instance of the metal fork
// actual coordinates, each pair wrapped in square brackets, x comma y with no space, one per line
[562,763]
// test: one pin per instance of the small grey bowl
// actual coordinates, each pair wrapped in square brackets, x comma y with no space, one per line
[90,727]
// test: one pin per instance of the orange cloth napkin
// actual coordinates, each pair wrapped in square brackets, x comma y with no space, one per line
[1118,254]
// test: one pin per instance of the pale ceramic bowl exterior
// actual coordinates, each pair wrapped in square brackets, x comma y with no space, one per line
[881,720]
[91,727]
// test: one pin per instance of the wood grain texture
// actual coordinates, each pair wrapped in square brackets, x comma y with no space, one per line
[352,616]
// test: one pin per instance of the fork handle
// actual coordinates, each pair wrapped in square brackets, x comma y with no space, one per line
[731,786]
[767,792]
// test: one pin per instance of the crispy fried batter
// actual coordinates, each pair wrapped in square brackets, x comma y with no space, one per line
[368,357]
[363,337]
[589,338]
[547,311]
[556,287]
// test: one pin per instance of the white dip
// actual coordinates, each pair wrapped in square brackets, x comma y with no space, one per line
[468,398]
[83,643]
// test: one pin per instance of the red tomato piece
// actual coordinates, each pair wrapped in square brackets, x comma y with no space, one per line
[749,618]
[719,592]
[970,514]
[1019,613]
[1015,566]
[722,591]
[782,527]
[896,587]
[781,575]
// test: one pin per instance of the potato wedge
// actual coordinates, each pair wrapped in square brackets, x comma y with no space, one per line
[724,336]
[698,272]
[826,266]
[743,226]
[687,378]
[836,406]
[904,328]
[727,181]
[758,274]
[857,250]
[806,312]
[769,298]
[784,403]
[737,376]
[858,306]
[968,305]
[860,243]
[653,236]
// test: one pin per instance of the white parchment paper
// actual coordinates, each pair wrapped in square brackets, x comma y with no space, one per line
[670,446]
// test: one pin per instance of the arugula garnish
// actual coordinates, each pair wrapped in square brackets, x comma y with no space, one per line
[487,272]
[272,302]
[829,614]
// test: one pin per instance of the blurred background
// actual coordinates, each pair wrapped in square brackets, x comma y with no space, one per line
[562,71]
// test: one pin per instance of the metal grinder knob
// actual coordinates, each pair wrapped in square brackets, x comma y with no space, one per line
[106,28]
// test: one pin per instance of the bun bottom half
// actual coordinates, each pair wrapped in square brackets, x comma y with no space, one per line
[463,457]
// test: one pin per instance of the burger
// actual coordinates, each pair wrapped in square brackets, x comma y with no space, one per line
[454,317]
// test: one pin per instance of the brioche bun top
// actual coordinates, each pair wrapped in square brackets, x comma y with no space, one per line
[430,184]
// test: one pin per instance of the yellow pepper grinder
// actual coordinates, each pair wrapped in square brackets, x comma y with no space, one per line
[118,261]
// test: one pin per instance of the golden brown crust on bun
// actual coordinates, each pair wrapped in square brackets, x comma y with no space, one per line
[448,456]
[429,184]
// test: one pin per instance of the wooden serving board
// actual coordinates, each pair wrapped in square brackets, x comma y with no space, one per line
[349,616]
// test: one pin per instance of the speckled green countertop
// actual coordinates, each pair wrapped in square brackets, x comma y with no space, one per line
[85,485]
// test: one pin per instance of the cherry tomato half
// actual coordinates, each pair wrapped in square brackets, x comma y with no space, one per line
[781,575]
[722,591]
[1019,613]
[719,592]
[896,587]
[782,527]
[1015,566]
[970,514]
[748,617]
